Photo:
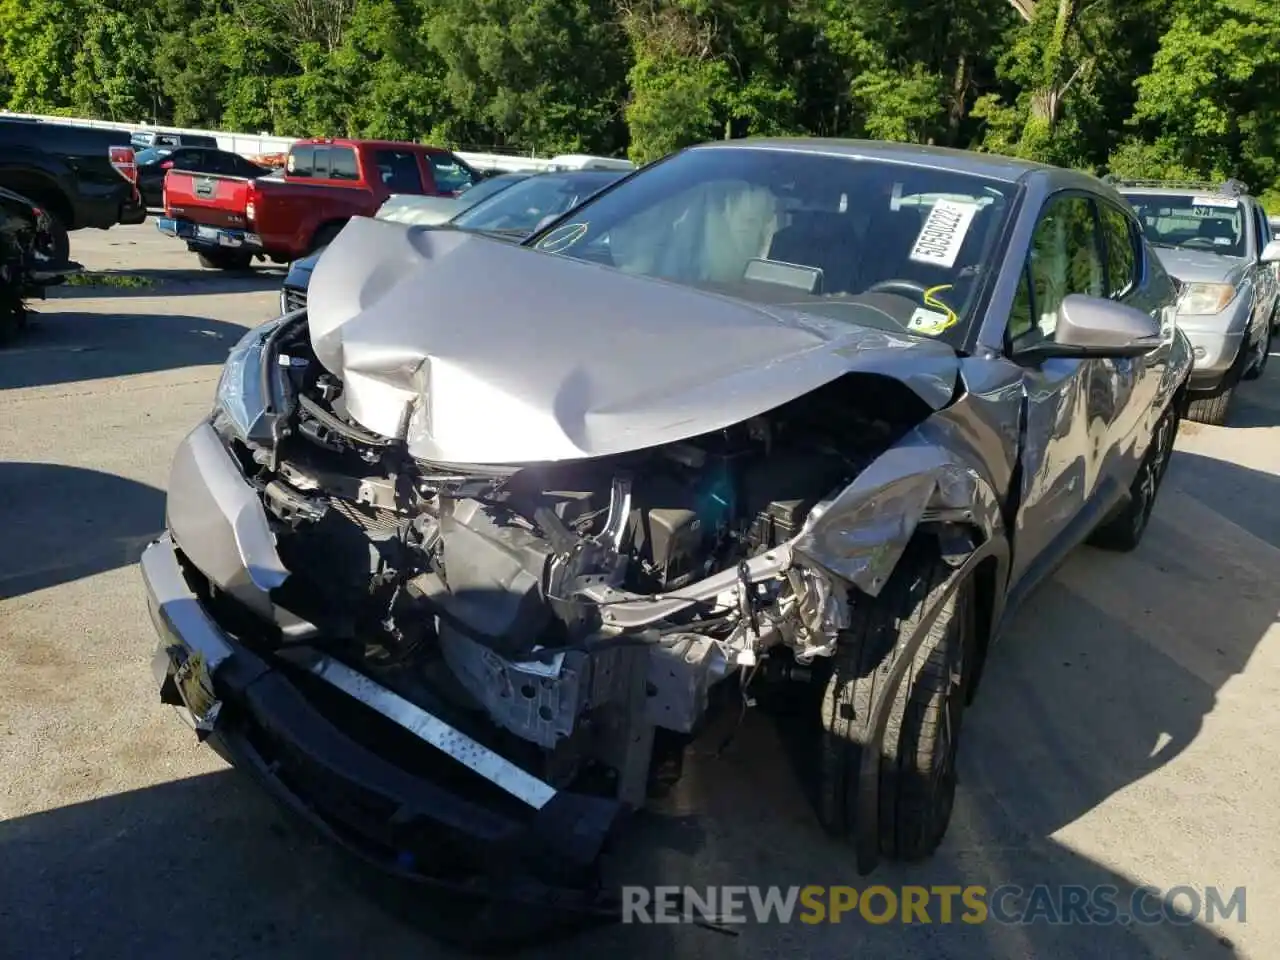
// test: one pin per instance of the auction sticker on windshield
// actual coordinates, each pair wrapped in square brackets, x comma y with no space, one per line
[943,233]
[928,322]
[1212,206]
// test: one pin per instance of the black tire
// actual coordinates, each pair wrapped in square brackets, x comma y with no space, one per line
[1123,531]
[1258,366]
[57,245]
[225,260]
[917,768]
[1211,410]
[325,236]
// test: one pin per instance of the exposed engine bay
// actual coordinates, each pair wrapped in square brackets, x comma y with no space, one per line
[576,605]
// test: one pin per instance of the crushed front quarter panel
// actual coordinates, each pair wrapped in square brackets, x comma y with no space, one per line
[478,351]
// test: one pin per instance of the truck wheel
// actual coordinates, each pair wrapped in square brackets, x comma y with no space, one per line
[1259,365]
[225,260]
[1124,531]
[918,761]
[57,247]
[325,236]
[1213,409]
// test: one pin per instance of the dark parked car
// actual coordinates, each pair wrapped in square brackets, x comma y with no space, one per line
[169,141]
[80,176]
[508,206]
[154,163]
[465,546]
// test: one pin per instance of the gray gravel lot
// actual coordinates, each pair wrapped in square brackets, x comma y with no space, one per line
[1126,732]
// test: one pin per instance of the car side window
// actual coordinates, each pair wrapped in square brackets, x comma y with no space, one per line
[450,175]
[342,164]
[214,162]
[301,161]
[398,170]
[320,165]
[1021,317]
[1065,258]
[1122,260]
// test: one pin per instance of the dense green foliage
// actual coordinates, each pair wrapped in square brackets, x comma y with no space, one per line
[1151,87]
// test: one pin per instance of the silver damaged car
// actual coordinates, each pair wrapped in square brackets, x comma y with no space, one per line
[470,548]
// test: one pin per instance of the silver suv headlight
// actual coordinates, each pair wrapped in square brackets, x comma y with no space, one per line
[1203,299]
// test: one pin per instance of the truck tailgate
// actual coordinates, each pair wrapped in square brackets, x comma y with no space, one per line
[207,198]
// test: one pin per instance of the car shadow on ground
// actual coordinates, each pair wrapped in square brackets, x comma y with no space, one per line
[67,347]
[62,523]
[185,281]
[1105,677]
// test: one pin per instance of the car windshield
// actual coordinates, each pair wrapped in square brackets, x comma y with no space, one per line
[486,188]
[520,209]
[151,155]
[1212,223]
[828,234]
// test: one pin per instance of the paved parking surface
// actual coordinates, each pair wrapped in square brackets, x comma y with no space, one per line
[1126,733]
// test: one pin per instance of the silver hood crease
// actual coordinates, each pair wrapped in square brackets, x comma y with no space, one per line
[477,351]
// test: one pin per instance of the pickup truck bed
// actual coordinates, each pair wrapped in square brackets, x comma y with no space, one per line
[231,220]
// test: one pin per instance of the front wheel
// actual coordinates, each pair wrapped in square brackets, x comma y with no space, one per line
[56,241]
[1211,410]
[918,757]
[1259,365]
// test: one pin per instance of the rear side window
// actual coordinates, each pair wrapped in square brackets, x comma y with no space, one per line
[1122,261]
[342,164]
[301,161]
[320,165]
[450,175]
[398,170]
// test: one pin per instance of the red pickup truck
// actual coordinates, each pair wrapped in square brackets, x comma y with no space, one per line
[229,220]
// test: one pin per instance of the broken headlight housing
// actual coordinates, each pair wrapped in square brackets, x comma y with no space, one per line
[249,388]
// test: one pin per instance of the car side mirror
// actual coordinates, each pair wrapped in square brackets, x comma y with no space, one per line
[1270,253]
[167,165]
[1095,328]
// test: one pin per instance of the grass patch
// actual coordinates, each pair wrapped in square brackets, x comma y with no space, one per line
[128,281]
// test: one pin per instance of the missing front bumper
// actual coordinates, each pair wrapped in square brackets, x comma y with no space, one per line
[544,853]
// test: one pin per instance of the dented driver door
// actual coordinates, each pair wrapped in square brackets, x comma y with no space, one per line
[1070,405]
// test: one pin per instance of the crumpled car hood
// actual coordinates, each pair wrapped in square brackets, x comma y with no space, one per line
[476,351]
[1199,266]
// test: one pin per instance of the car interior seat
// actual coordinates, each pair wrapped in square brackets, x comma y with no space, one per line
[824,239]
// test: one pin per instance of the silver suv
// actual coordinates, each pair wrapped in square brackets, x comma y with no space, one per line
[1216,242]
